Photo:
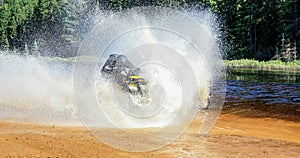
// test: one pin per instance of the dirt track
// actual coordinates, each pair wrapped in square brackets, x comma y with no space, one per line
[232,136]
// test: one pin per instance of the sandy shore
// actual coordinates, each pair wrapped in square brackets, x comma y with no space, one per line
[232,136]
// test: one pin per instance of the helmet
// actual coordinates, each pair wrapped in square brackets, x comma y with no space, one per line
[122,58]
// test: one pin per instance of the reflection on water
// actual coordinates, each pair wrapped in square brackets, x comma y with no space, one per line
[241,92]
[285,77]
[264,93]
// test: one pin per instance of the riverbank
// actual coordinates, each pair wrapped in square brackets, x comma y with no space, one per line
[230,64]
[263,65]
[232,136]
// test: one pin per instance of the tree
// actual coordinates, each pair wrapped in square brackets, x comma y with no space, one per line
[254,28]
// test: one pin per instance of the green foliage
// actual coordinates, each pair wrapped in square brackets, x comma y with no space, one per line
[6,44]
[124,4]
[254,28]
[263,65]
[14,14]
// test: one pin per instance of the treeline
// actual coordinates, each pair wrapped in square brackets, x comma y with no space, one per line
[43,27]
[254,29]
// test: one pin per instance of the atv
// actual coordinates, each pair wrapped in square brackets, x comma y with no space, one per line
[122,72]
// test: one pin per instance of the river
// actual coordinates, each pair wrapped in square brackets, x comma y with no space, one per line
[264,93]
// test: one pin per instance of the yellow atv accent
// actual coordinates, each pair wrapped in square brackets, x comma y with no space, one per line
[133,84]
[135,77]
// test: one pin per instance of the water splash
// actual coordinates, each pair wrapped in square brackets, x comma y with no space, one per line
[179,49]
[36,90]
[39,90]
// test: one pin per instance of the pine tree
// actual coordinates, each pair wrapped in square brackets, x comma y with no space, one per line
[26,49]
[36,48]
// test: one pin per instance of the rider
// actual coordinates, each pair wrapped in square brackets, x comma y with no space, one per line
[121,70]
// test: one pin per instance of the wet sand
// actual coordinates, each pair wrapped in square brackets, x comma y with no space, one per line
[232,136]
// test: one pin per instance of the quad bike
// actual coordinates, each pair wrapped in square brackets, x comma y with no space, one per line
[123,73]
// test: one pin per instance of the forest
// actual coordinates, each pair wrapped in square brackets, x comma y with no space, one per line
[253,29]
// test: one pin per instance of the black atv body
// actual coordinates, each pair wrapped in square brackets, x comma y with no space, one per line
[120,70]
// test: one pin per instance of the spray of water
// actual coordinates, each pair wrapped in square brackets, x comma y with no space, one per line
[36,90]
[178,52]
[180,57]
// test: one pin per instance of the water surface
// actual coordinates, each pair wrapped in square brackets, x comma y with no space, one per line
[264,93]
